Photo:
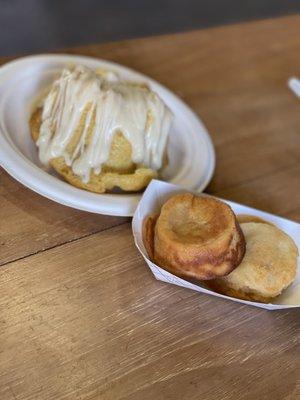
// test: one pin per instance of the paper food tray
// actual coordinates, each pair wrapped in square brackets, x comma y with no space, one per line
[153,199]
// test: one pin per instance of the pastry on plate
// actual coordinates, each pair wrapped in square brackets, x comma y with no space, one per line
[268,267]
[101,133]
[195,237]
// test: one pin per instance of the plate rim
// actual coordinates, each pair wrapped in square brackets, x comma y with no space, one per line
[12,160]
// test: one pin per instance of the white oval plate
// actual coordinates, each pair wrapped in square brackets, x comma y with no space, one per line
[190,150]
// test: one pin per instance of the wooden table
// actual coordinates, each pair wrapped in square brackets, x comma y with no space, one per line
[81,315]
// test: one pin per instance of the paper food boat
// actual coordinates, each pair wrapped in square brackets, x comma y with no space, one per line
[153,199]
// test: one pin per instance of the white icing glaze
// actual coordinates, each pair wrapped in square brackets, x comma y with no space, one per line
[116,106]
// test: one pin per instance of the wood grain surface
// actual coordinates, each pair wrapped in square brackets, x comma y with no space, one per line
[81,317]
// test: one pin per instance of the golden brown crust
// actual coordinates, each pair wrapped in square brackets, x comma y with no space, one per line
[197,237]
[119,171]
[148,234]
[245,218]
[35,124]
[238,294]
[269,265]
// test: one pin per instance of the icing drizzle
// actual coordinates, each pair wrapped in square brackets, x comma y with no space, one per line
[105,106]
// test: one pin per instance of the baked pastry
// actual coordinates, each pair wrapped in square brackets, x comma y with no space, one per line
[245,218]
[195,237]
[269,265]
[99,132]
[148,234]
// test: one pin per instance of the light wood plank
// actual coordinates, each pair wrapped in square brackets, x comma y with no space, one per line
[89,321]
[31,223]
[278,193]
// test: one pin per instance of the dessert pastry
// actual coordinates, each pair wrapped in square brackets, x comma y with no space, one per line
[199,237]
[244,218]
[269,265]
[195,237]
[148,234]
[99,132]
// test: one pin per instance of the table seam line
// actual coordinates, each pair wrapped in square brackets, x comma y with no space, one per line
[62,244]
